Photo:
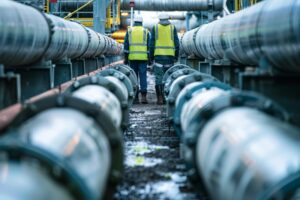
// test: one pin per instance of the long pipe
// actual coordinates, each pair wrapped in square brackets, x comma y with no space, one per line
[267,31]
[155,5]
[7,115]
[70,144]
[239,143]
[41,36]
[174,5]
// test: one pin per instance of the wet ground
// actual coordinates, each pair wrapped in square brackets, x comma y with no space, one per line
[153,167]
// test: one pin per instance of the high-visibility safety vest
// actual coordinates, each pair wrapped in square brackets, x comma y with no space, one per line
[138,37]
[164,40]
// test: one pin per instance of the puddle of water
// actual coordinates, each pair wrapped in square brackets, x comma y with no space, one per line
[141,148]
[136,150]
[134,161]
[152,112]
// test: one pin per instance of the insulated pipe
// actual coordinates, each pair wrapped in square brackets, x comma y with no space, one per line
[65,133]
[26,178]
[70,144]
[102,97]
[267,31]
[24,34]
[256,158]
[175,5]
[73,142]
[28,36]
[69,39]
[238,142]
[122,80]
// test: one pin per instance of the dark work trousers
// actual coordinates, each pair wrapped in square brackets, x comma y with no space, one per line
[140,68]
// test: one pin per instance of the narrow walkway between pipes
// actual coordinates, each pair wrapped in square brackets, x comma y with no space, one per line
[153,167]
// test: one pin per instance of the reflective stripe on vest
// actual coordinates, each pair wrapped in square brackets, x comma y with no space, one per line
[138,37]
[164,40]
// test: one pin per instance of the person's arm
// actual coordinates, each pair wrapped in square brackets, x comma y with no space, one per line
[152,44]
[177,44]
[126,48]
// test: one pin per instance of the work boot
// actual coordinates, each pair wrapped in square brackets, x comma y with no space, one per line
[144,98]
[159,96]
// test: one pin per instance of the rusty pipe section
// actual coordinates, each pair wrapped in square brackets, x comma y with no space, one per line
[174,5]
[267,32]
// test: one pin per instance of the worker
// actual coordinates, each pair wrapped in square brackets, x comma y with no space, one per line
[164,50]
[136,50]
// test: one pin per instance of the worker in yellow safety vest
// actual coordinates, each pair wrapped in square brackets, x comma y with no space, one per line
[136,50]
[164,51]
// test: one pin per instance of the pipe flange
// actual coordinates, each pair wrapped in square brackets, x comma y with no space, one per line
[176,89]
[127,67]
[175,75]
[58,169]
[235,98]
[101,118]
[188,94]
[123,78]
[129,73]
[102,81]
[173,69]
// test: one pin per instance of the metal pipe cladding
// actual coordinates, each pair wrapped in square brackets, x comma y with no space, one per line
[239,143]
[268,31]
[28,36]
[174,5]
[70,144]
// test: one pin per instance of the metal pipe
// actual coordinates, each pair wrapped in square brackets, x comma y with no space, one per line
[256,158]
[175,5]
[65,133]
[102,97]
[239,143]
[267,31]
[24,34]
[73,142]
[39,36]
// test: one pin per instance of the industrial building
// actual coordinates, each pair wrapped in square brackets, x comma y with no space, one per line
[72,126]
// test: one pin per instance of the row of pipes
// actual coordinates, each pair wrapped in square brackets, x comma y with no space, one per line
[240,143]
[28,36]
[267,32]
[154,5]
[69,146]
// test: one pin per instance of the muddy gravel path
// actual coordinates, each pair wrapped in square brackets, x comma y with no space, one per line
[153,167]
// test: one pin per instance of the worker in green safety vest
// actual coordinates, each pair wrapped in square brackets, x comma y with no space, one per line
[164,51]
[136,50]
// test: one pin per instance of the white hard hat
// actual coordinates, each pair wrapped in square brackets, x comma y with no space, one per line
[138,18]
[163,16]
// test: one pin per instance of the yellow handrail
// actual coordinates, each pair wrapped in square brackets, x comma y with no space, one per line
[78,9]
